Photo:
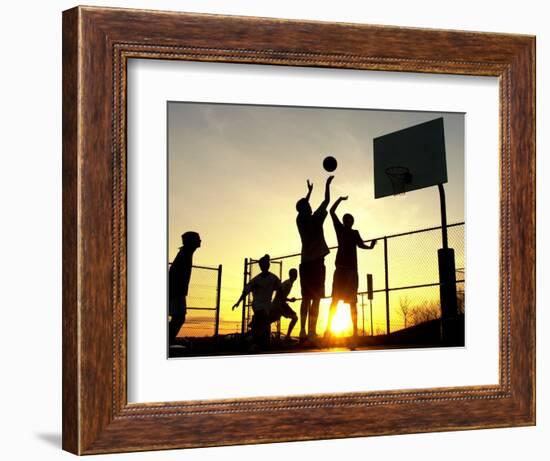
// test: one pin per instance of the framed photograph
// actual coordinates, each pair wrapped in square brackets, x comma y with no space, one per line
[280,230]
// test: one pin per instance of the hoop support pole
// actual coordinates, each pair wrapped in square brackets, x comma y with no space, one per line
[443,205]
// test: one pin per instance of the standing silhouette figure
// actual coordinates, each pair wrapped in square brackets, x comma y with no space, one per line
[262,287]
[280,307]
[346,279]
[178,283]
[312,263]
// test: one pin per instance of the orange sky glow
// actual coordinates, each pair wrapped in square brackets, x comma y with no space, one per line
[236,172]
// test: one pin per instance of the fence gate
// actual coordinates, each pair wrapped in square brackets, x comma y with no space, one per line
[203,303]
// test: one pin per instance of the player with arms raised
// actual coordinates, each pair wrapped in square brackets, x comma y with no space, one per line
[346,280]
[312,263]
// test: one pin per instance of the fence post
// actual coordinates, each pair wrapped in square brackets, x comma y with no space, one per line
[279,321]
[387,289]
[218,297]
[245,271]
[363,312]
[371,321]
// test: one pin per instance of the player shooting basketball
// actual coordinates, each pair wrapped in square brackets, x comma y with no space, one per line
[312,263]
[346,280]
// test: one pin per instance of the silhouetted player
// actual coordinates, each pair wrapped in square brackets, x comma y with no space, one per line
[312,265]
[178,282]
[346,280]
[280,307]
[262,288]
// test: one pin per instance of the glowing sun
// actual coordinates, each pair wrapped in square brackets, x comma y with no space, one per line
[341,322]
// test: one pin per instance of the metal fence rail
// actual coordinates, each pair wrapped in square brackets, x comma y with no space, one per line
[405,279]
[203,302]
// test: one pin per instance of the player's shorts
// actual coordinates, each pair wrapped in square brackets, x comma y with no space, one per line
[282,311]
[345,284]
[312,279]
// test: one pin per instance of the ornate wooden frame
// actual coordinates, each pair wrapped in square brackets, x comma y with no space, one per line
[97,43]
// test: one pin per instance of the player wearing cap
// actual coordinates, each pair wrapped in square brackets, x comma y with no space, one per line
[179,275]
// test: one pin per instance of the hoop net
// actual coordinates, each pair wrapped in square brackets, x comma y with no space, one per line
[399,176]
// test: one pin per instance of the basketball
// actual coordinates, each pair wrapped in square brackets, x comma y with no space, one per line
[330,164]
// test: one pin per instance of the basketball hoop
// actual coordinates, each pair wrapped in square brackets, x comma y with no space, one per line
[409,159]
[399,176]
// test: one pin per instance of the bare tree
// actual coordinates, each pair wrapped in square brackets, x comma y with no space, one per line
[405,306]
[428,310]
[460,300]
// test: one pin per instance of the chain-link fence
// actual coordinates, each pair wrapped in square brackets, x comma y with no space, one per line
[203,303]
[405,289]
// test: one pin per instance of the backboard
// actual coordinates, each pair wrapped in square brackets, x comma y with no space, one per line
[419,150]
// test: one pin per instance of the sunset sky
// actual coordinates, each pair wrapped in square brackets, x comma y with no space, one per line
[236,172]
